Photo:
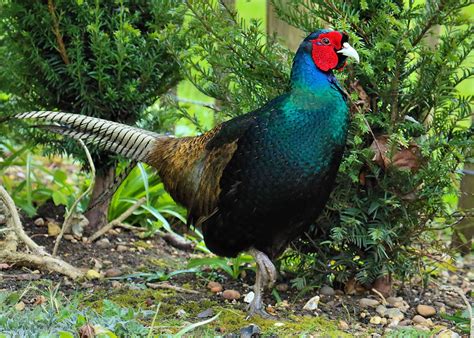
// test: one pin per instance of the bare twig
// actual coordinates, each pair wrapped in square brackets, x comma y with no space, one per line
[13,222]
[168,286]
[118,221]
[70,212]
[38,257]
[384,301]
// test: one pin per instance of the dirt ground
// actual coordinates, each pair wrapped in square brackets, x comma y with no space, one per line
[127,262]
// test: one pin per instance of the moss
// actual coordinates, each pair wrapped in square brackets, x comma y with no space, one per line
[230,320]
[142,244]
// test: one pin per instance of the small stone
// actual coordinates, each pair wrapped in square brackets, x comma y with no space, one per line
[116,284]
[53,229]
[447,333]
[312,304]
[121,248]
[383,321]
[367,302]
[249,297]
[406,322]
[363,315]
[231,294]
[327,291]
[39,222]
[113,272]
[279,324]
[92,274]
[103,243]
[425,310]
[417,319]
[206,313]
[250,331]
[69,237]
[394,314]
[181,313]
[342,325]
[214,287]
[20,306]
[375,320]
[398,302]
[282,287]
[381,310]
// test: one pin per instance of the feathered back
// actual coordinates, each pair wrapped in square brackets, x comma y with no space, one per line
[131,142]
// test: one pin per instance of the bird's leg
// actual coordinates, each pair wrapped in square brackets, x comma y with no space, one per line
[265,277]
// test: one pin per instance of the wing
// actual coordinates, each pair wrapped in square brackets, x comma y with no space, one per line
[191,168]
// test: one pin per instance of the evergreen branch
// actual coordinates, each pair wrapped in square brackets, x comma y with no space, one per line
[57,33]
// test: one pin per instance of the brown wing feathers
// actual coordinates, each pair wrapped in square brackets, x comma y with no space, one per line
[190,172]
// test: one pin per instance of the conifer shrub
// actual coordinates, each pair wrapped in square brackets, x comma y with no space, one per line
[409,131]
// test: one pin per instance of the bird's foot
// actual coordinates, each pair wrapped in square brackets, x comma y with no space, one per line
[255,310]
[268,270]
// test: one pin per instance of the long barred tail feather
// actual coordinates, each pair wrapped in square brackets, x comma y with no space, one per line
[130,142]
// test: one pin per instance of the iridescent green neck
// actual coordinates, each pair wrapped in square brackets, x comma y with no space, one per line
[305,76]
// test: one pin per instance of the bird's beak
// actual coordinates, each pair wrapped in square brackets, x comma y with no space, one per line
[348,51]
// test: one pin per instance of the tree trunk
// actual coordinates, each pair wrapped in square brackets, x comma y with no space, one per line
[97,216]
[464,230]
[291,36]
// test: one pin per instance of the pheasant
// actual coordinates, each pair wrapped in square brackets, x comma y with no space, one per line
[255,182]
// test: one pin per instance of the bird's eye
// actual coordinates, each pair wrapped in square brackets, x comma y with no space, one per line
[325,41]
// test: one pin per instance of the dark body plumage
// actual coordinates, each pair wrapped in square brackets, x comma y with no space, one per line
[255,182]
[258,180]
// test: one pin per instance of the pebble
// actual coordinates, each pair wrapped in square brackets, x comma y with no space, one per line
[425,310]
[447,334]
[249,297]
[3,219]
[375,320]
[312,304]
[215,287]
[381,310]
[69,237]
[342,325]
[231,294]
[406,322]
[250,331]
[116,284]
[282,287]
[327,291]
[53,229]
[422,321]
[394,314]
[206,313]
[398,302]
[39,222]
[113,272]
[367,302]
[121,248]
[181,313]
[103,243]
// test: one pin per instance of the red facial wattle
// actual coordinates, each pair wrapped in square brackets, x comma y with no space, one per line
[324,50]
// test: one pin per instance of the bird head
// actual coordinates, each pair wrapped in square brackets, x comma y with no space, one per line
[329,49]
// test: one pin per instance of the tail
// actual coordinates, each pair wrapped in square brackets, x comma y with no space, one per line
[130,142]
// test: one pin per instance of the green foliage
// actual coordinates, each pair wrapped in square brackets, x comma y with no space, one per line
[380,214]
[38,181]
[107,59]
[62,317]
[232,266]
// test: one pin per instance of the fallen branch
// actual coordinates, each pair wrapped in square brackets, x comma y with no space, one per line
[67,219]
[42,262]
[38,258]
[118,221]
